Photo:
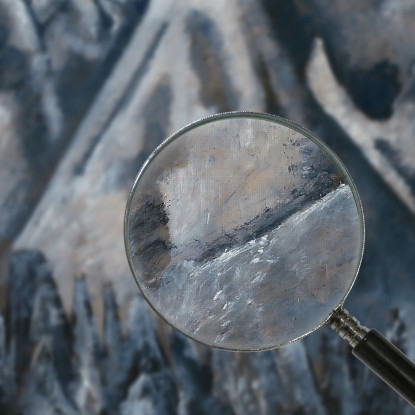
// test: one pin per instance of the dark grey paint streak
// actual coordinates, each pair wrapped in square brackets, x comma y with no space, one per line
[206,59]
[156,115]
[272,105]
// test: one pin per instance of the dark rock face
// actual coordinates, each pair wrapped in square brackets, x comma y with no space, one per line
[88,88]
[370,73]
[375,89]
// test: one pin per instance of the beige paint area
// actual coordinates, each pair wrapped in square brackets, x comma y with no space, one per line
[234,171]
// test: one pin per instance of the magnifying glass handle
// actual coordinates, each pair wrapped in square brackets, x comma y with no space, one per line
[377,353]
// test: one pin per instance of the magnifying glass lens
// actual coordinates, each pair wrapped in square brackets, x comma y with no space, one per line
[244,231]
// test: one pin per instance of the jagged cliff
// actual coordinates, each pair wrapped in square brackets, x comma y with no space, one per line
[88,88]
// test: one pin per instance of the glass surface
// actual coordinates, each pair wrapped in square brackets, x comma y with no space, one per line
[244,231]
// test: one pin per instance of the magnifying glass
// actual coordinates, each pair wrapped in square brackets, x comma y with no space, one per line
[245,232]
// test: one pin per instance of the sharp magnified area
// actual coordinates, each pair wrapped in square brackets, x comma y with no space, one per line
[244,234]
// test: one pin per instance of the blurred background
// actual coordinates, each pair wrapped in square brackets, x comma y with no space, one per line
[88,88]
